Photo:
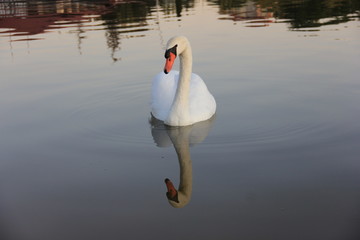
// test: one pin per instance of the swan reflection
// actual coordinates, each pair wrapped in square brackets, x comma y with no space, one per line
[181,138]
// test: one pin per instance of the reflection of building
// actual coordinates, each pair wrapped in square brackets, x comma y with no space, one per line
[251,11]
[248,10]
[12,8]
[123,18]
[33,17]
[30,18]
[19,18]
[21,8]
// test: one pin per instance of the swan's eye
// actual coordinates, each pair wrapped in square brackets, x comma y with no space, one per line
[170,50]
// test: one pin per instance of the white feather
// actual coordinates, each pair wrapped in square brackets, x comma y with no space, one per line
[181,98]
[202,105]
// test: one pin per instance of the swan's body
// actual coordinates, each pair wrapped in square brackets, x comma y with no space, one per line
[180,98]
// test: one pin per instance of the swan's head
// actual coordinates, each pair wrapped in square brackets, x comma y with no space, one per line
[174,47]
[172,193]
[177,199]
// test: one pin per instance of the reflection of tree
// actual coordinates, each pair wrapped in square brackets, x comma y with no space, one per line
[113,42]
[228,4]
[80,31]
[309,13]
[124,18]
[176,6]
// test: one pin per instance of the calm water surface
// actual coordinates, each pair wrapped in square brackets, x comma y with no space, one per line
[80,157]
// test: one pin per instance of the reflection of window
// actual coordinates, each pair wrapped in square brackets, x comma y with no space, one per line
[13,8]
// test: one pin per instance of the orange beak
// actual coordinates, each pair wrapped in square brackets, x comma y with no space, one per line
[169,63]
[171,190]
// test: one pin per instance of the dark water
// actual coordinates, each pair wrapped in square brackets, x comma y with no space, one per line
[80,157]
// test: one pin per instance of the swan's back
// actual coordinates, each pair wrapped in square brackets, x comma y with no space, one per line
[202,103]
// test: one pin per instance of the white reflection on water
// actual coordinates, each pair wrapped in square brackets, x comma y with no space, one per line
[181,138]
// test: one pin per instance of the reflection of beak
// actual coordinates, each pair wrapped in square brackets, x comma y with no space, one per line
[169,62]
[172,193]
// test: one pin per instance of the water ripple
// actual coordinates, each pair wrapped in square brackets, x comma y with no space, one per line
[103,114]
[265,134]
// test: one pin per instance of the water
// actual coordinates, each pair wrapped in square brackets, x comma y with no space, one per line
[80,157]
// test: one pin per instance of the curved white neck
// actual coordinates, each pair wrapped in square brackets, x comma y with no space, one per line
[179,113]
[180,139]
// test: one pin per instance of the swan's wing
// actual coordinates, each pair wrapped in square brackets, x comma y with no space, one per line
[162,93]
[202,103]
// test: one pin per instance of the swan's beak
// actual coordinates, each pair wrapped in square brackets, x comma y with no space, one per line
[169,62]
[172,193]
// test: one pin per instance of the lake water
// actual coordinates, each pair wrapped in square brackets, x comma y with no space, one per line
[80,157]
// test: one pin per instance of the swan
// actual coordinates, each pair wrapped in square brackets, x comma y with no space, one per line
[180,98]
[181,138]
[180,197]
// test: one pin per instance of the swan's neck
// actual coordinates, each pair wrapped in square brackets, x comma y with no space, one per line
[179,114]
[180,139]
[185,185]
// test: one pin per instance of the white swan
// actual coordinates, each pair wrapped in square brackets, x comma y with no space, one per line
[181,138]
[180,99]
[180,197]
